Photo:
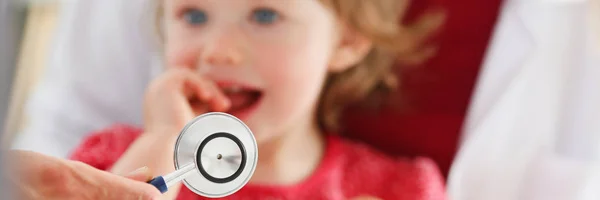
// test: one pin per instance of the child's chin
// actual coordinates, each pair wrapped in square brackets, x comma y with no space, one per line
[261,129]
[263,136]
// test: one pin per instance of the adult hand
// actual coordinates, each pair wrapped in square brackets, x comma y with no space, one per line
[37,176]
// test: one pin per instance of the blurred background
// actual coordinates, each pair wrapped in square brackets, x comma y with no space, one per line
[27,29]
[12,21]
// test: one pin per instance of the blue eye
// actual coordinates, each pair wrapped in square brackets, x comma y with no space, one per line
[265,16]
[195,17]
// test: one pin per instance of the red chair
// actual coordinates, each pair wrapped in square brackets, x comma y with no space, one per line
[437,93]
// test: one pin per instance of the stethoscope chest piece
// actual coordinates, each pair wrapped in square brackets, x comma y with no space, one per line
[218,154]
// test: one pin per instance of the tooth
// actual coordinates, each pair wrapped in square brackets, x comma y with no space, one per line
[232,89]
[235,89]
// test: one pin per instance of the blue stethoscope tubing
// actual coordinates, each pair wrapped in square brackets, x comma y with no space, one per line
[163,183]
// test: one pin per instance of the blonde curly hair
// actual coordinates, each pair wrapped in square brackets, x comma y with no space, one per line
[393,43]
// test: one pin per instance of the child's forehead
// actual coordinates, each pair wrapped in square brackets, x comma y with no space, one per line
[283,3]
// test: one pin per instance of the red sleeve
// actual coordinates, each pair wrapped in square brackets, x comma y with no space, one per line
[421,179]
[103,148]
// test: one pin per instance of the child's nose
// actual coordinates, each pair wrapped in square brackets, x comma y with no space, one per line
[223,50]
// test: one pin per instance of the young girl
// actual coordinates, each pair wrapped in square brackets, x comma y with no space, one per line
[286,68]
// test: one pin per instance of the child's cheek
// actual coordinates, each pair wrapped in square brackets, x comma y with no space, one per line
[181,48]
[294,76]
[181,54]
[281,65]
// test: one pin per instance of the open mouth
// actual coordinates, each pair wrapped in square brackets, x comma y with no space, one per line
[243,99]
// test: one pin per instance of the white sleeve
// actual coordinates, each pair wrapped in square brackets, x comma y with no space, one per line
[532,131]
[104,55]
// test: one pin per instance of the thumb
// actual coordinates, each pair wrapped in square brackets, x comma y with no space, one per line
[142,174]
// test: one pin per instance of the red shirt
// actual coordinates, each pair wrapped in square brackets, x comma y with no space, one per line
[348,170]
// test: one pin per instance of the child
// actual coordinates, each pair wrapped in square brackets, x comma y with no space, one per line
[286,68]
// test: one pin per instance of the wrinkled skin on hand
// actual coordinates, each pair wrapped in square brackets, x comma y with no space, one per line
[36,176]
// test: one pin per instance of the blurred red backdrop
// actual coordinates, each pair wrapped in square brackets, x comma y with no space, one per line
[437,93]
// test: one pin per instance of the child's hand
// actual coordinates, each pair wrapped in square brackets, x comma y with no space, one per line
[176,97]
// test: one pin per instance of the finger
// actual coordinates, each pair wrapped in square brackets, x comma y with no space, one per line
[142,174]
[197,87]
[202,93]
[219,102]
[216,100]
[106,185]
[123,188]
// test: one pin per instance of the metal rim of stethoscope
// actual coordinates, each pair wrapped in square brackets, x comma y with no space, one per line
[229,130]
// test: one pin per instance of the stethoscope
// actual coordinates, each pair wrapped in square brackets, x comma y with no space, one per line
[215,156]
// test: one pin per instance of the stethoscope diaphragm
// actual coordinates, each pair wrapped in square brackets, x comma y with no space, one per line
[215,156]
